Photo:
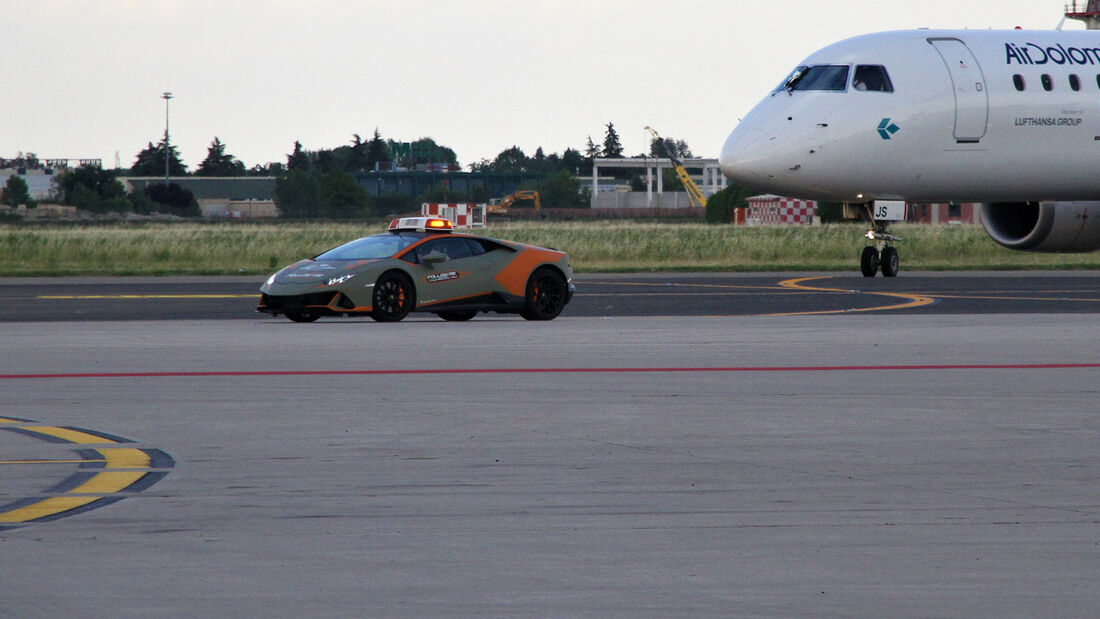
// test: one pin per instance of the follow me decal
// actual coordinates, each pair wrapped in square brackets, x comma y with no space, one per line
[443,277]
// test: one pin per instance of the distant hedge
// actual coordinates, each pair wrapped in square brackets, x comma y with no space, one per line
[720,206]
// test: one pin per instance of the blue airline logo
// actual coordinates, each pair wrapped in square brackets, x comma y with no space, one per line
[887,129]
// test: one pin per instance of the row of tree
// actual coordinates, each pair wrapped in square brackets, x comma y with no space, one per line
[358,156]
[379,154]
[93,189]
[321,183]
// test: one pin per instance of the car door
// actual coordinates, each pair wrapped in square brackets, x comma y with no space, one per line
[463,274]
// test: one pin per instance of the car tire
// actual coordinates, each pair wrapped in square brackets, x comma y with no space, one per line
[546,295]
[457,315]
[394,297]
[303,316]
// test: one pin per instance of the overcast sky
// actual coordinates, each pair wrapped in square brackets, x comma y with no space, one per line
[83,79]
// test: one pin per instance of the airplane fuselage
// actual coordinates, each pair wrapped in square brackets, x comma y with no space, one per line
[969,116]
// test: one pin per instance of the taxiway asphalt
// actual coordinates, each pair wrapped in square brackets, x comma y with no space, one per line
[934,459]
[645,294]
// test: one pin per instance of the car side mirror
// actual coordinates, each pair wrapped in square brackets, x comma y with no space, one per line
[434,257]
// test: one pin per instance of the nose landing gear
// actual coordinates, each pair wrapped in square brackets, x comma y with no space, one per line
[881,254]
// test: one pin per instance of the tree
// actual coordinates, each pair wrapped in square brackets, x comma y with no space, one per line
[297,160]
[218,163]
[510,160]
[670,180]
[342,197]
[91,188]
[173,198]
[720,206]
[357,157]
[272,169]
[426,150]
[422,151]
[540,162]
[591,151]
[378,151]
[561,190]
[612,147]
[679,148]
[572,161]
[298,195]
[150,161]
[16,192]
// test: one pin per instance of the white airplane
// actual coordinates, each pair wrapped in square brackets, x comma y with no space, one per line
[1008,119]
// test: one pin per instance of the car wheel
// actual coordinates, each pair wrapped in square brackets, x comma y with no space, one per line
[457,315]
[546,295]
[393,298]
[303,316]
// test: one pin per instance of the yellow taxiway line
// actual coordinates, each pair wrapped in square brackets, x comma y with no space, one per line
[123,467]
[799,283]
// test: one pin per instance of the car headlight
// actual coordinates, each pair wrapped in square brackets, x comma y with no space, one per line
[270,280]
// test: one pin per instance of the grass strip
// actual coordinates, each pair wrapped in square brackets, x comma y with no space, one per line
[594,246]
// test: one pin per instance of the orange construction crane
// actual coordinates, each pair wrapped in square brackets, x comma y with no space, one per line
[501,208]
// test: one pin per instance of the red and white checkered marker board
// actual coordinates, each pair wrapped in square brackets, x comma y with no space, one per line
[783,211]
[462,215]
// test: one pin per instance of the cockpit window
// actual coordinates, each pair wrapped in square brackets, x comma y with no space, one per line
[819,77]
[872,78]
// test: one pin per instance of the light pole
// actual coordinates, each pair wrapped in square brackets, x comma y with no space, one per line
[166,96]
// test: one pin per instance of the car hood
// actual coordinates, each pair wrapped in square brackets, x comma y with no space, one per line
[312,274]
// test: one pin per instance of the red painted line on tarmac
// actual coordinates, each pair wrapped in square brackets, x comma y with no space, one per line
[794,368]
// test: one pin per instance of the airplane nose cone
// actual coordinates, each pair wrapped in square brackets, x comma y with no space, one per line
[741,156]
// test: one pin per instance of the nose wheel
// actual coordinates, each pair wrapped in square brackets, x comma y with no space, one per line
[881,255]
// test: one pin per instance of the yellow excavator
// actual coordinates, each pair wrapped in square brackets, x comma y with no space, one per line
[501,208]
[695,195]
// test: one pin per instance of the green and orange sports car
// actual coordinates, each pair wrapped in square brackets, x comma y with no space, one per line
[421,265]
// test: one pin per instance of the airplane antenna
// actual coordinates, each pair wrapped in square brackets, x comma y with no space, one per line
[1087,11]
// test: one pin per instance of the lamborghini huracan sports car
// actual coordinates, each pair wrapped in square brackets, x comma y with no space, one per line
[421,265]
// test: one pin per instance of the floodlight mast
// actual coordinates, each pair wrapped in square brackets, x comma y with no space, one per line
[166,96]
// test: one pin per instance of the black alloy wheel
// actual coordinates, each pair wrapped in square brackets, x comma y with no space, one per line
[393,298]
[546,295]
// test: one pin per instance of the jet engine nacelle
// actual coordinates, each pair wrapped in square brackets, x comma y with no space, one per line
[1044,226]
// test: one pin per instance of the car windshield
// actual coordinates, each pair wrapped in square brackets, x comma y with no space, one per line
[818,77]
[371,247]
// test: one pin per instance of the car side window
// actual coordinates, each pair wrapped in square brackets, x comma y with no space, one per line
[490,245]
[476,248]
[454,248]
